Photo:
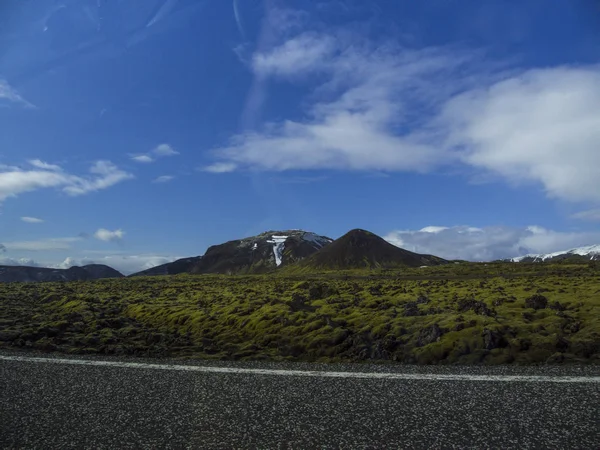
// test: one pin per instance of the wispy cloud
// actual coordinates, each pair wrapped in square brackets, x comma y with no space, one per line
[488,243]
[42,244]
[29,219]
[363,113]
[142,158]
[376,106]
[592,215]
[4,261]
[11,95]
[164,150]
[159,151]
[163,179]
[220,167]
[104,175]
[238,19]
[105,235]
[44,165]
[299,179]
[15,181]
[126,264]
[306,53]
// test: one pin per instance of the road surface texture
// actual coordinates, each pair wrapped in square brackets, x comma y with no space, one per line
[49,401]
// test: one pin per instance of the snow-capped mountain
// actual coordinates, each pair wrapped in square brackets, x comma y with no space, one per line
[254,254]
[590,253]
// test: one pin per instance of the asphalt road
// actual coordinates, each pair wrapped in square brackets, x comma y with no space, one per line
[45,404]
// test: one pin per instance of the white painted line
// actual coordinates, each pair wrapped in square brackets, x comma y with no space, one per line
[310,373]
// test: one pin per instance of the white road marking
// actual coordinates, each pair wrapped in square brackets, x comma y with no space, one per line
[311,373]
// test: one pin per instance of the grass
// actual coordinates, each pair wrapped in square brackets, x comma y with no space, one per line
[459,313]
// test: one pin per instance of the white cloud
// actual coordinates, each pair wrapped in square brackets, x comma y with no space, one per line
[591,215]
[109,236]
[28,219]
[9,94]
[488,243]
[370,102]
[142,158]
[305,53]
[14,180]
[18,262]
[163,179]
[106,175]
[126,264]
[432,229]
[381,107]
[164,150]
[159,151]
[540,126]
[18,181]
[43,165]
[42,244]
[67,263]
[220,167]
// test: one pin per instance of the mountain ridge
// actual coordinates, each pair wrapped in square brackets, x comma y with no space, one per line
[261,253]
[11,274]
[586,253]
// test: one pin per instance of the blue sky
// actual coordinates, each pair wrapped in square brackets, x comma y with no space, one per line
[133,133]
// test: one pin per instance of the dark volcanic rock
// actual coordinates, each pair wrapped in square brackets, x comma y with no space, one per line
[536,301]
[493,339]
[429,335]
[411,310]
[478,307]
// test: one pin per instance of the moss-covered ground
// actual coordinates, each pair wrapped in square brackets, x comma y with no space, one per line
[459,313]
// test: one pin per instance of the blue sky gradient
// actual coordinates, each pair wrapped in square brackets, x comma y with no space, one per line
[136,132]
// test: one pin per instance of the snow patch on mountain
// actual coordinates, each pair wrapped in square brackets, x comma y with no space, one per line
[318,241]
[592,250]
[278,246]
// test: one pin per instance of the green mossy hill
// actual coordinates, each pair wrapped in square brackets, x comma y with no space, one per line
[360,249]
[447,314]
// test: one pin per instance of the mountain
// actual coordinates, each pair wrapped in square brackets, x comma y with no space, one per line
[25,273]
[359,249]
[590,253]
[183,265]
[255,254]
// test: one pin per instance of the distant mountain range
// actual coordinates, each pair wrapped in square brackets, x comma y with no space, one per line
[24,273]
[289,251]
[590,253]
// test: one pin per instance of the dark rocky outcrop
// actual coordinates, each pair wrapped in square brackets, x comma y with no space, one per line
[536,301]
[429,335]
